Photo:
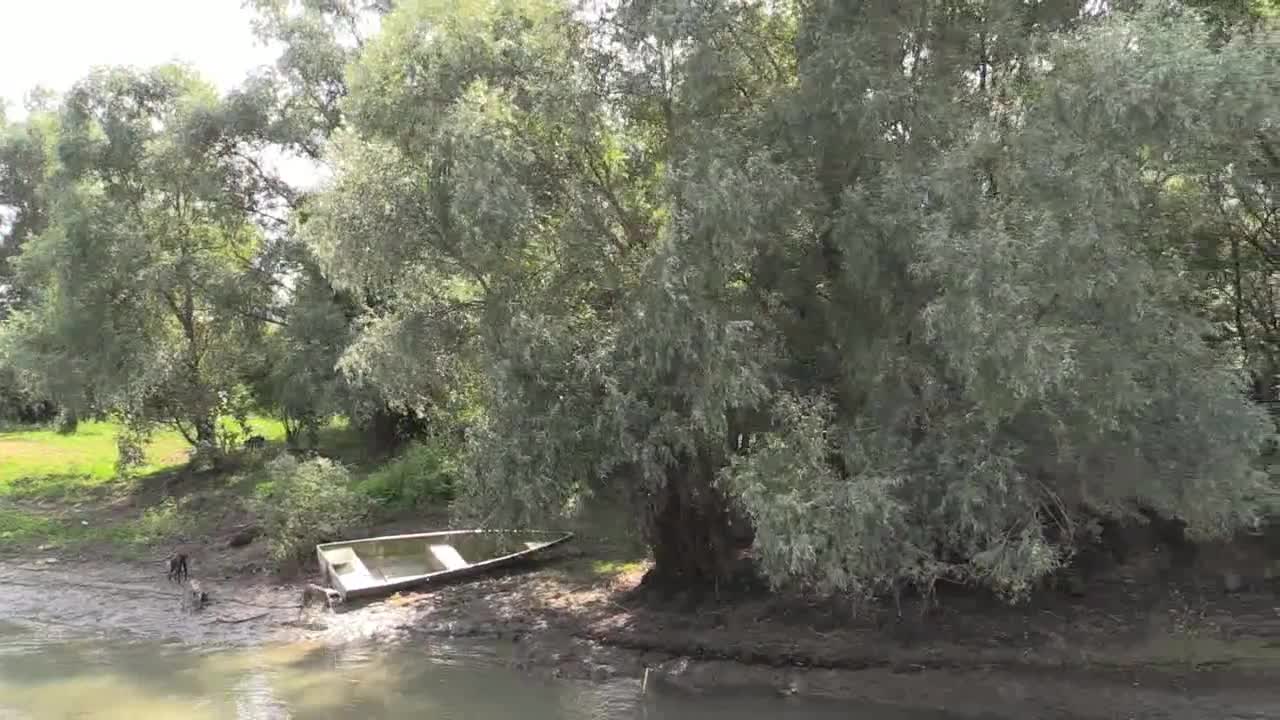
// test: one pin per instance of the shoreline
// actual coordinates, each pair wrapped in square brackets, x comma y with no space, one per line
[564,623]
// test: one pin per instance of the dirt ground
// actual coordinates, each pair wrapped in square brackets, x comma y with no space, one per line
[1123,651]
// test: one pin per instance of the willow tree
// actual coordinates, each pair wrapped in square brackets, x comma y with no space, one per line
[1229,214]
[855,271]
[143,284]
[452,216]
[306,89]
[24,163]
[901,249]
[1007,347]
[25,150]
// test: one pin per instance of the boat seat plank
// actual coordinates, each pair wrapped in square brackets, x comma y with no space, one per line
[348,565]
[448,556]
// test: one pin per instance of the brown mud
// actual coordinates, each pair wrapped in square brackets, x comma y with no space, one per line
[1127,650]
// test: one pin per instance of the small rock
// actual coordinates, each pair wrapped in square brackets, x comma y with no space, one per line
[674,668]
[794,685]
[1232,582]
[50,561]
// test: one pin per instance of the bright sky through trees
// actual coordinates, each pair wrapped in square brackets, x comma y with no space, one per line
[214,36]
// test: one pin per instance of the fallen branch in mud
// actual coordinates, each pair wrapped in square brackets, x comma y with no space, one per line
[255,605]
[63,568]
[126,588]
[224,621]
[96,586]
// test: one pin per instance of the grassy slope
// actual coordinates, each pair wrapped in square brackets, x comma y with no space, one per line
[60,491]
[45,464]
[49,484]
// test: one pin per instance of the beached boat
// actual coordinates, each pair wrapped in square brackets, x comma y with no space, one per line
[383,565]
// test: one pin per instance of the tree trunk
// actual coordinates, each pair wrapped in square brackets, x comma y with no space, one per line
[387,431]
[291,426]
[207,448]
[691,532]
[206,431]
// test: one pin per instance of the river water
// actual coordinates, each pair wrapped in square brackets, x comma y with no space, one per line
[50,674]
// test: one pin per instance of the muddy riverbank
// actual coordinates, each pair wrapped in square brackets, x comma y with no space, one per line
[1127,652]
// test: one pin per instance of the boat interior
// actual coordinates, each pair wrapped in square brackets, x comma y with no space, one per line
[367,564]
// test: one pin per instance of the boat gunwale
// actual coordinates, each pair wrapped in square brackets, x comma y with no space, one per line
[440,533]
[329,575]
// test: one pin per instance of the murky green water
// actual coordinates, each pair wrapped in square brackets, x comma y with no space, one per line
[48,675]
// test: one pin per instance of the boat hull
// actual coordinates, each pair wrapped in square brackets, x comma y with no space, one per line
[383,565]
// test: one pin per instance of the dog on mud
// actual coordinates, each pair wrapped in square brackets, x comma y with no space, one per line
[194,598]
[177,567]
[312,593]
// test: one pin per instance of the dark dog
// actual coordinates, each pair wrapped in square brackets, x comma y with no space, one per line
[178,567]
[257,442]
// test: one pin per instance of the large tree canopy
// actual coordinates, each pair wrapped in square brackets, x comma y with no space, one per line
[25,150]
[144,283]
[905,290]
[917,314]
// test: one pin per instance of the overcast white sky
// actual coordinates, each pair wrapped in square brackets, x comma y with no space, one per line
[55,42]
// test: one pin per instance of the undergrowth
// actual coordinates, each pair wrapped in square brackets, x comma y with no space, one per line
[305,503]
[423,475]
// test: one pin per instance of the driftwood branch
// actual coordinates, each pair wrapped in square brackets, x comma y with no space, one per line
[241,620]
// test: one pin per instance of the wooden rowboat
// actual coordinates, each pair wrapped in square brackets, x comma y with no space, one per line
[383,565]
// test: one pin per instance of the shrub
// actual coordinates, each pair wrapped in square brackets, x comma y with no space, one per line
[131,445]
[424,474]
[305,503]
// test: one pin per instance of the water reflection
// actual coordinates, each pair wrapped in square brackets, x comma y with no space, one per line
[47,677]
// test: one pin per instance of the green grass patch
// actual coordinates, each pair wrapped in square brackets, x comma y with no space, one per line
[24,529]
[613,568]
[41,463]
[44,474]
[156,524]
[423,475]
[269,428]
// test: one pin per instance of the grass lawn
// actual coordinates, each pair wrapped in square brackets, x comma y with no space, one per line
[24,528]
[40,463]
[46,477]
